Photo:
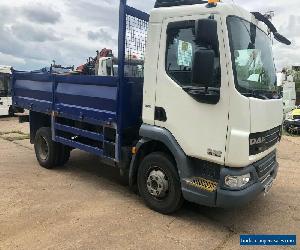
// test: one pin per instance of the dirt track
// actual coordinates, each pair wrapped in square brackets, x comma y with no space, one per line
[84,206]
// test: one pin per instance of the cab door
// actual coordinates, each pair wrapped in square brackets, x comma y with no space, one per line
[199,128]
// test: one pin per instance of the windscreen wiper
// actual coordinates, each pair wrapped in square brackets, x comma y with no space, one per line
[280,38]
[200,88]
[255,95]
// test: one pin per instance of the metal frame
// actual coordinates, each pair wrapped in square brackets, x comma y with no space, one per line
[124,10]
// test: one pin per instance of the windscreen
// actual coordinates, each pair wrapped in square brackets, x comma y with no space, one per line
[253,63]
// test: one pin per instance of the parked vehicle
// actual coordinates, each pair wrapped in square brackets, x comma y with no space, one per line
[6,107]
[5,97]
[289,96]
[288,91]
[202,124]
[106,64]
[292,122]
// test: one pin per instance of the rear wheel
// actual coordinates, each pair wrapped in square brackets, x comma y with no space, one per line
[49,153]
[159,183]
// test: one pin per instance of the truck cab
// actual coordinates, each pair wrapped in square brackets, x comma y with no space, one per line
[5,91]
[213,91]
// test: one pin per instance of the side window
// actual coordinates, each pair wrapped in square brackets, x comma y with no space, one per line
[181,46]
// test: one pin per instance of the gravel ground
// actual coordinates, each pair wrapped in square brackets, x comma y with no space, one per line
[85,206]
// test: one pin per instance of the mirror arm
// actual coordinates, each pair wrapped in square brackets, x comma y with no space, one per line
[280,38]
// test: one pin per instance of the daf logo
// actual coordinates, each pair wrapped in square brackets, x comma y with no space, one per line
[258,140]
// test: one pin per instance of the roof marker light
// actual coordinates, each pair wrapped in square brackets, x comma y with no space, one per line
[212,3]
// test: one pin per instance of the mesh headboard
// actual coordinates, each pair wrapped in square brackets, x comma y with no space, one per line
[134,26]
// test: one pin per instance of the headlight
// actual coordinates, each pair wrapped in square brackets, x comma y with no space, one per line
[237,181]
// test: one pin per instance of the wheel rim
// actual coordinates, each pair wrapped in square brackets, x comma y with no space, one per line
[43,148]
[157,183]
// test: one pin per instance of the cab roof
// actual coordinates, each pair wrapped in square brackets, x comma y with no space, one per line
[169,3]
[5,69]
[157,15]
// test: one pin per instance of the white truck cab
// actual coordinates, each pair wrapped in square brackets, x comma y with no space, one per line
[210,81]
[5,95]
[105,66]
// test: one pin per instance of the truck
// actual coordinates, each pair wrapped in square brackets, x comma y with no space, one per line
[6,107]
[5,97]
[288,91]
[201,124]
[289,96]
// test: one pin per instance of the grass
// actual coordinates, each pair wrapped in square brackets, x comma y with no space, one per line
[20,136]
[16,138]
[13,132]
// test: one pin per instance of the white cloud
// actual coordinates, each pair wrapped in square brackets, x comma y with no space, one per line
[11,60]
[31,33]
[34,32]
[41,13]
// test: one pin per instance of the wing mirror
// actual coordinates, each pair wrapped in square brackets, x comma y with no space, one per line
[203,67]
[203,75]
[206,33]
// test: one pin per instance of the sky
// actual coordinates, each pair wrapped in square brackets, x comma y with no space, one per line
[35,32]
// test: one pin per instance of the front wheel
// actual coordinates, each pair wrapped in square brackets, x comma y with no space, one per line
[159,183]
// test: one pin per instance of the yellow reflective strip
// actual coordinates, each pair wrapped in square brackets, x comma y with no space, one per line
[204,184]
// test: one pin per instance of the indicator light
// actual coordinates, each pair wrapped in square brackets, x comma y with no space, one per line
[212,3]
[134,150]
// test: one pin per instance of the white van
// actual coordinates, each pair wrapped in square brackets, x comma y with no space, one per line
[5,93]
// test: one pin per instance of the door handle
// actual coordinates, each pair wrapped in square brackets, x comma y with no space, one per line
[160,114]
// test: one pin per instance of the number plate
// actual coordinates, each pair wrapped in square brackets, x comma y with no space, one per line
[268,186]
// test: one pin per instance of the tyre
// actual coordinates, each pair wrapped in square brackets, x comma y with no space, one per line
[46,150]
[63,155]
[159,183]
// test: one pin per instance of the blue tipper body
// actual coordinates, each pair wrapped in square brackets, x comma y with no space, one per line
[113,103]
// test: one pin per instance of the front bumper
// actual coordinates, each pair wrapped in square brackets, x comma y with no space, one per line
[262,172]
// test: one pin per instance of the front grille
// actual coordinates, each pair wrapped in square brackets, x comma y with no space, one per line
[296,117]
[260,142]
[272,137]
[266,165]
